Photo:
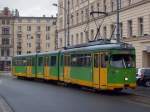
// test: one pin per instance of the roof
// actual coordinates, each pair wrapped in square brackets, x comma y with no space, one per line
[101,47]
[32,54]
[46,53]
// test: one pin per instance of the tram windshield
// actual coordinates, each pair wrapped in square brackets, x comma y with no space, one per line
[122,61]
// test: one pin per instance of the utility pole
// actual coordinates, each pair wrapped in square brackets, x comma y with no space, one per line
[68,44]
[118,22]
[65,28]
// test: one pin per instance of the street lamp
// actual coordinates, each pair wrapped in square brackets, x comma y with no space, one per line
[65,20]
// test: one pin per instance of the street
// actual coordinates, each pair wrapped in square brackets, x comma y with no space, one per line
[37,96]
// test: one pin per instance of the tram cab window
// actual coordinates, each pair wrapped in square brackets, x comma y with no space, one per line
[122,61]
[40,61]
[53,60]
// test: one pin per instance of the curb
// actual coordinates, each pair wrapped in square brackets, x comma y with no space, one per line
[4,106]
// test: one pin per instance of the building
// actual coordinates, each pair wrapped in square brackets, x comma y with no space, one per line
[23,35]
[6,38]
[134,24]
[34,34]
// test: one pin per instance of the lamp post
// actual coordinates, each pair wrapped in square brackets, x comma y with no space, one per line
[118,22]
[66,20]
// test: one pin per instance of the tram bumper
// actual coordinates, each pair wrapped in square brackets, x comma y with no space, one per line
[121,86]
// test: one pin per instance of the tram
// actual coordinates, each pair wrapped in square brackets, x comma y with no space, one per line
[109,66]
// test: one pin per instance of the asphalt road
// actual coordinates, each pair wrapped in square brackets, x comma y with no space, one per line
[33,96]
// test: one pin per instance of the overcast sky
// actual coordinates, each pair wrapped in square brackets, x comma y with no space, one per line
[31,7]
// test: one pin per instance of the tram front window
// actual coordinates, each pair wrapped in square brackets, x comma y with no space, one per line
[122,61]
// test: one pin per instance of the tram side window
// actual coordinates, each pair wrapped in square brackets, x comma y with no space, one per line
[81,60]
[104,60]
[33,61]
[21,62]
[53,60]
[40,61]
[29,61]
[73,60]
[88,60]
[96,60]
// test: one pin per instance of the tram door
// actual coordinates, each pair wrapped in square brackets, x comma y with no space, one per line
[96,71]
[100,70]
[46,67]
[29,66]
[67,68]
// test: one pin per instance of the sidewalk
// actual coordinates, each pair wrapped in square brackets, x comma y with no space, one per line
[4,107]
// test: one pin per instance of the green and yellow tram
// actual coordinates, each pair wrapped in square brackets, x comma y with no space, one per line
[103,67]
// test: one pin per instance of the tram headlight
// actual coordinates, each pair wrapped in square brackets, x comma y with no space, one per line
[126,78]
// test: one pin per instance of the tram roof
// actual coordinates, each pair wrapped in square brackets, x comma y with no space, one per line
[31,54]
[101,47]
[45,53]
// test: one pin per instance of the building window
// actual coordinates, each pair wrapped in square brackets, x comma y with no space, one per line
[92,8]
[77,18]
[72,40]
[81,38]
[3,22]
[87,36]
[8,52]
[47,45]
[86,13]
[6,31]
[104,5]
[112,31]
[129,2]
[38,20]
[82,17]
[121,30]
[60,41]
[141,26]
[112,5]
[130,29]
[19,36]
[20,20]
[18,52]
[5,41]
[77,38]
[2,52]
[92,34]
[19,28]
[47,28]
[38,28]
[47,36]
[72,19]
[28,28]
[98,8]
[105,32]
[28,36]
[29,45]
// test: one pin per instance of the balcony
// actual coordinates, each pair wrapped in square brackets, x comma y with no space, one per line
[6,45]
[5,35]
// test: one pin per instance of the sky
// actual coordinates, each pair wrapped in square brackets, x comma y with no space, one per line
[31,7]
